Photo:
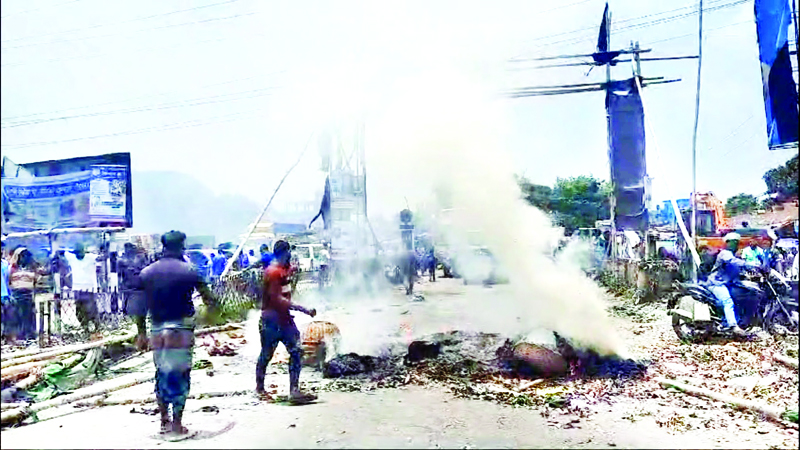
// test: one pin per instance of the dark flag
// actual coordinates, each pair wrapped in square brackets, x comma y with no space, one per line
[325,207]
[602,55]
[602,39]
[773,19]
[626,147]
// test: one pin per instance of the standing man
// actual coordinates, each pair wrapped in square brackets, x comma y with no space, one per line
[432,264]
[6,299]
[277,325]
[168,286]
[129,268]
[244,261]
[84,285]
[218,265]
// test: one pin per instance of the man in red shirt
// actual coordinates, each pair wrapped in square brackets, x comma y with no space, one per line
[277,325]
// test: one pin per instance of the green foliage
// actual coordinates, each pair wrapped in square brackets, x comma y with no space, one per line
[576,202]
[790,415]
[782,180]
[741,204]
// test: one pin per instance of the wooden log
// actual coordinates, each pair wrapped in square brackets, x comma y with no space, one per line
[786,360]
[771,413]
[19,414]
[66,349]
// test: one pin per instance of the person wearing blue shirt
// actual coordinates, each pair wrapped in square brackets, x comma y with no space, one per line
[726,271]
[6,299]
[266,256]
[218,265]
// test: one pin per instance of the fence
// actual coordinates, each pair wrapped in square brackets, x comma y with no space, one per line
[76,315]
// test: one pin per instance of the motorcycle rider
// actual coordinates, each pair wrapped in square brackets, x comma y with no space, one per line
[726,272]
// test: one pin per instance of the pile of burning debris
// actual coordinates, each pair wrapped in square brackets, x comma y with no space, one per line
[560,379]
[481,366]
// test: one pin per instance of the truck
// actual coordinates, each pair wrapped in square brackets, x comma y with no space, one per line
[713,225]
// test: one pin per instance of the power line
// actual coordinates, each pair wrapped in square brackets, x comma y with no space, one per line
[733,133]
[138,50]
[168,127]
[633,26]
[652,23]
[161,94]
[180,104]
[196,22]
[153,16]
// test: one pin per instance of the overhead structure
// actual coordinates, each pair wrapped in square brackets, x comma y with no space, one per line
[349,231]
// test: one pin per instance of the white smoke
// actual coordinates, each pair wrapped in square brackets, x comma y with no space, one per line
[439,143]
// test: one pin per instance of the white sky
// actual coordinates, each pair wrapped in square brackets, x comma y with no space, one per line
[263,76]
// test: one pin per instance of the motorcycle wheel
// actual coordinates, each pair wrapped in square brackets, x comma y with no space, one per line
[776,316]
[688,331]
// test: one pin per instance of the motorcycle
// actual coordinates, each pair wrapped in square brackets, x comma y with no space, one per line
[766,300]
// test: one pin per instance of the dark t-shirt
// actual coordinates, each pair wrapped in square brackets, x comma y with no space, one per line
[129,269]
[168,285]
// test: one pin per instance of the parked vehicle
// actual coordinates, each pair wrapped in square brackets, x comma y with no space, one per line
[766,300]
[308,256]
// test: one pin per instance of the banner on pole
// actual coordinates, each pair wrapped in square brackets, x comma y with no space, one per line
[626,143]
[773,20]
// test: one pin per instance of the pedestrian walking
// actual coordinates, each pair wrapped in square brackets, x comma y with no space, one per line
[168,285]
[277,325]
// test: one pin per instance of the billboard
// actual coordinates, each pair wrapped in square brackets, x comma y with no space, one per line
[73,193]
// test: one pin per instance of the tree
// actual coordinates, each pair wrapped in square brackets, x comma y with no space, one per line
[782,180]
[741,204]
[574,203]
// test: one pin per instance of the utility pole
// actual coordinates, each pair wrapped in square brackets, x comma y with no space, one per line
[694,134]
[613,202]
[603,56]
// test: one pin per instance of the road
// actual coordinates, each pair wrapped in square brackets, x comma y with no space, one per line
[406,417]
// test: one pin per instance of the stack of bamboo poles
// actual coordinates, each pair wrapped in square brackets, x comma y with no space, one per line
[24,370]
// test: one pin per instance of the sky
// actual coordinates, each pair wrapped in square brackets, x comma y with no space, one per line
[232,91]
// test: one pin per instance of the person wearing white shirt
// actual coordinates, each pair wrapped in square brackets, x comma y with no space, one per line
[84,284]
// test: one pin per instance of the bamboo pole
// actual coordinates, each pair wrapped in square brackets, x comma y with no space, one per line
[14,360]
[30,380]
[236,253]
[27,357]
[152,399]
[768,411]
[15,405]
[786,360]
[19,414]
[22,370]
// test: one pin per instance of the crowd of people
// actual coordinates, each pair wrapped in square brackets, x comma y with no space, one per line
[83,277]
